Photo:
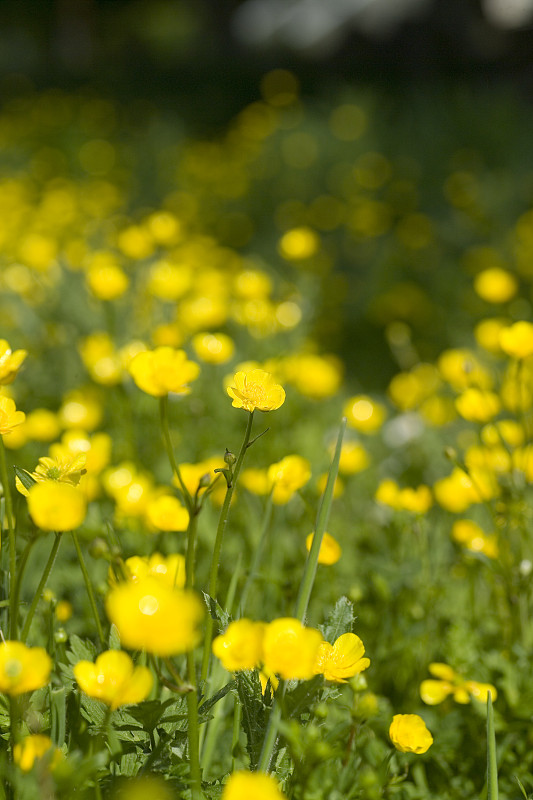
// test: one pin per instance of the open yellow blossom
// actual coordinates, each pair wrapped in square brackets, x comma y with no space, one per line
[168,569]
[163,370]
[55,506]
[247,785]
[354,458]
[114,679]
[256,389]
[468,533]
[342,660]
[476,405]
[10,362]
[517,340]
[34,748]
[213,348]
[289,649]
[312,375]
[107,281]
[461,369]
[364,414]
[23,669]
[63,470]
[448,683]
[287,476]
[330,550]
[153,616]
[9,416]
[164,512]
[409,734]
[241,646]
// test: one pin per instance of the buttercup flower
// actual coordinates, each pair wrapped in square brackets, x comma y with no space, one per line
[241,646]
[33,748]
[23,669]
[9,416]
[449,682]
[330,550]
[409,734]
[364,414]
[256,389]
[64,470]
[495,285]
[10,362]
[342,660]
[55,506]
[247,785]
[290,650]
[155,617]
[168,569]
[163,370]
[517,339]
[287,476]
[476,405]
[114,679]
[164,512]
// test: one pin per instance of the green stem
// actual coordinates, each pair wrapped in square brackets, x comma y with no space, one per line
[492,765]
[222,523]
[163,415]
[308,578]
[40,589]
[271,733]
[20,572]
[89,587]
[237,715]
[191,549]
[12,543]
[193,731]
[258,555]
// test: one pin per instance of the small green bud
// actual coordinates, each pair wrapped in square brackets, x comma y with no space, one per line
[99,548]
[60,635]
[229,458]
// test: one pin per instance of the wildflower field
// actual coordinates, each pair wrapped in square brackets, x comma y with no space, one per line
[266,448]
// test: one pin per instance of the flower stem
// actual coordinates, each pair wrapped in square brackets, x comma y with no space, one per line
[163,415]
[20,573]
[222,523]
[258,554]
[40,589]
[492,764]
[193,731]
[12,543]
[191,549]
[89,587]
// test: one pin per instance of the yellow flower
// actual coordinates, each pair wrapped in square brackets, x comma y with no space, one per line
[102,361]
[417,500]
[213,348]
[289,649]
[388,493]
[23,669]
[409,734]
[9,416]
[114,679]
[63,470]
[33,748]
[251,786]
[256,389]
[42,425]
[255,480]
[298,244]
[64,610]
[461,369]
[364,414]
[107,281]
[168,569]
[476,405]
[468,533]
[163,370]
[314,376]
[449,682]
[487,334]
[330,550]
[55,506]
[495,285]
[10,362]
[165,513]
[155,617]
[241,646]
[287,476]
[354,458]
[517,340]
[342,660]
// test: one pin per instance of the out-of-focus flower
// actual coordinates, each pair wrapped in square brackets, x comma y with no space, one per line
[247,785]
[241,646]
[330,550]
[458,491]
[23,669]
[417,500]
[105,278]
[364,414]
[312,375]
[449,682]
[461,368]
[132,490]
[287,476]
[63,610]
[517,340]
[476,405]
[34,748]
[164,512]
[81,408]
[495,285]
[256,390]
[10,418]
[299,244]
[255,480]
[342,660]
[354,458]
[155,617]
[168,569]
[409,734]
[408,390]
[487,333]
[213,348]
[473,537]
[10,362]
[114,679]
[56,506]
[163,370]
[101,359]
[289,649]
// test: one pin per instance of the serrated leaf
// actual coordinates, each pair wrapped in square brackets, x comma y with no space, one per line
[216,611]
[303,696]
[339,621]
[80,650]
[208,704]
[254,713]
[149,713]
[114,638]
[26,479]
[93,711]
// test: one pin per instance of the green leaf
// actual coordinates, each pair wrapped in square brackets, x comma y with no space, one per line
[254,713]
[208,704]
[80,650]
[492,766]
[26,479]
[339,621]
[149,713]
[114,638]
[216,611]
